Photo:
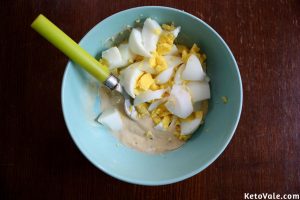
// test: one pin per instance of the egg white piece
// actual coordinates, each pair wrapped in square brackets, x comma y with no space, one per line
[176,31]
[111,118]
[190,126]
[126,53]
[136,43]
[129,77]
[193,70]
[199,90]
[150,34]
[156,103]
[164,76]
[177,77]
[179,102]
[148,96]
[113,57]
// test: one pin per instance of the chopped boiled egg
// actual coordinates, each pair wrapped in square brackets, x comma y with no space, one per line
[167,81]
[150,34]
[188,127]
[199,90]
[179,102]
[129,78]
[136,43]
[111,118]
[165,43]
[158,63]
[113,57]
[145,81]
[159,113]
[148,96]
[195,50]
[193,70]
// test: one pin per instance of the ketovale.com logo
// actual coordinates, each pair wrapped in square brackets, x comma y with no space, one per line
[270,196]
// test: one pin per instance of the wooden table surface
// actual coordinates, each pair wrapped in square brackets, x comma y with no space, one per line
[38,159]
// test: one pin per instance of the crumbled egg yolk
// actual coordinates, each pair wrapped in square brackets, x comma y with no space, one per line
[142,109]
[154,86]
[144,82]
[185,53]
[167,27]
[194,49]
[161,114]
[181,48]
[158,62]
[165,43]
[166,121]
[152,60]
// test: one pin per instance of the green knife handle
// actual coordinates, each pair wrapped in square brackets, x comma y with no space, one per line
[70,48]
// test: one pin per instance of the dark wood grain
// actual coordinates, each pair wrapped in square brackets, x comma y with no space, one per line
[38,159]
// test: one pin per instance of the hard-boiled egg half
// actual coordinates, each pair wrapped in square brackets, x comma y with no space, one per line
[166,80]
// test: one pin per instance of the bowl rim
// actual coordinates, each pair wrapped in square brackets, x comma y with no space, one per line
[187,175]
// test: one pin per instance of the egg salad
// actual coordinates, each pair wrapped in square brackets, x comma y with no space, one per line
[166,80]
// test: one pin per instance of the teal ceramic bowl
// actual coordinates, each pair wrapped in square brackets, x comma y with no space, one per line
[80,104]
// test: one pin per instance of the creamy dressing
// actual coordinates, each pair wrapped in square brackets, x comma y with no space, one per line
[134,132]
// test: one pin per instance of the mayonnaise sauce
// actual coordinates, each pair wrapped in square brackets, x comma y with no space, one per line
[134,132]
